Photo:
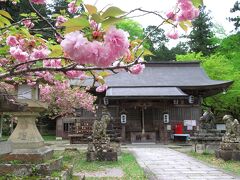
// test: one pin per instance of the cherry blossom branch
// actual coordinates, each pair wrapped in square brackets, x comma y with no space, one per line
[67,68]
[45,19]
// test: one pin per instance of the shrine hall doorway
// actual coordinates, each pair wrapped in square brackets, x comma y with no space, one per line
[140,125]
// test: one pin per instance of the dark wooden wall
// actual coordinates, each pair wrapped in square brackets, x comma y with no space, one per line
[153,115]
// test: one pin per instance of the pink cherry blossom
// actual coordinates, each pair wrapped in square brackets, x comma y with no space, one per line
[93,25]
[40,53]
[72,8]
[74,44]
[12,41]
[101,88]
[18,54]
[52,63]
[39,1]
[137,69]
[173,34]
[3,61]
[47,76]
[73,74]
[28,23]
[186,5]
[188,15]
[60,20]
[171,15]
[118,41]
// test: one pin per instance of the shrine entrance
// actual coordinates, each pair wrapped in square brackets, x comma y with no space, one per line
[144,122]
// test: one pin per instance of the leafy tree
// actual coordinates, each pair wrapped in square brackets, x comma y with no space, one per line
[134,29]
[156,38]
[235,20]
[222,65]
[201,35]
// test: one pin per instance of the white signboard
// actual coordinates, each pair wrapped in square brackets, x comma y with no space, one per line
[190,123]
[221,127]
[169,127]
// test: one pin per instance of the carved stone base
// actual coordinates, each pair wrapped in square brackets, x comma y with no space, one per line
[102,156]
[29,155]
[227,155]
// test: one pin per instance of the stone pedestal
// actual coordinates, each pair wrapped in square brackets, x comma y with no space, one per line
[26,134]
[26,142]
[206,140]
[228,151]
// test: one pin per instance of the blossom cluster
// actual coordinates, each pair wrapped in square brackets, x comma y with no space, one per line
[63,99]
[78,48]
[187,12]
[21,51]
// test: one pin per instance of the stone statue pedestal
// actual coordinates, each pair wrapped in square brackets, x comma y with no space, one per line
[229,151]
[26,142]
[229,148]
[206,140]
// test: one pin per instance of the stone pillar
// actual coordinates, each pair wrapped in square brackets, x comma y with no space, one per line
[26,134]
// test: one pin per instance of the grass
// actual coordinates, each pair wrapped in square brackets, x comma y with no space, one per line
[49,137]
[229,166]
[126,162]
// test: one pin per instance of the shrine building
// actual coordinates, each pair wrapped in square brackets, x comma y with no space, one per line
[160,104]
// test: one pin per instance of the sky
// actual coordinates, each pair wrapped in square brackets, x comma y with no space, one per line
[220,9]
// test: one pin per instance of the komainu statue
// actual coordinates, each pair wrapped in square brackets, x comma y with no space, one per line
[232,129]
[207,121]
[230,146]
[99,147]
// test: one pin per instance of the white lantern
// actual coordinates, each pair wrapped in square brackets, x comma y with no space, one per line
[166,118]
[123,118]
[191,99]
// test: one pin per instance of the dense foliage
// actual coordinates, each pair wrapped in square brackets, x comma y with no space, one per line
[224,64]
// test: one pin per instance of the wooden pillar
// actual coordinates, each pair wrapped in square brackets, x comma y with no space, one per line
[123,133]
[143,123]
[1,125]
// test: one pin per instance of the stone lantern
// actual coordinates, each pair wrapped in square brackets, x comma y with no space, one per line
[26,141]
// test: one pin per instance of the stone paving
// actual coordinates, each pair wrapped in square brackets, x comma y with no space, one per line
[162,163]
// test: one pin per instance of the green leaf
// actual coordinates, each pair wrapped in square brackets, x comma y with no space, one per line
[58,77]
[113,12]
[147,52]
[56,50]
[197,3]
[104,74]
[24,15]
[79,2]
[75,24]
[4,20]
[39,64]
[4,50]
[91,9]
[97,18]
[5,14]
[110,21]
[183,26]
[1,24]
[2,70]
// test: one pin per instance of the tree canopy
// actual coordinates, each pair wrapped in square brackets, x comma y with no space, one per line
[201,36]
